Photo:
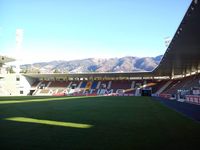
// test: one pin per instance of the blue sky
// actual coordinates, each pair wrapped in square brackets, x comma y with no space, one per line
[76,29]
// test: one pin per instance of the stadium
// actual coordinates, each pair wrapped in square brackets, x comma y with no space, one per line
[133,110]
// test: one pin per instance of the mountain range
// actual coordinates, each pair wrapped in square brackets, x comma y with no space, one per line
[123,64]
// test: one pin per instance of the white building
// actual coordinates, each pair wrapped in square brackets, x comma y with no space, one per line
[12,83]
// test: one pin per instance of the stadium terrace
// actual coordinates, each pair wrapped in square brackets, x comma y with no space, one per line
[176,77]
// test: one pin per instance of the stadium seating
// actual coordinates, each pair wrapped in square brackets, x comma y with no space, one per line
[59,84]
[176,88]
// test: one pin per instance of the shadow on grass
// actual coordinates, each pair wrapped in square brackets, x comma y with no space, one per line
[118,123]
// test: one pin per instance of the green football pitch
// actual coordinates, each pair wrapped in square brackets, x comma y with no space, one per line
[92,123]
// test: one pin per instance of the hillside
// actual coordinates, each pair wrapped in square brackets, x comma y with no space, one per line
[124,64]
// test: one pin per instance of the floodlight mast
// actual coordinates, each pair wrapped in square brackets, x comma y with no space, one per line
[19,40]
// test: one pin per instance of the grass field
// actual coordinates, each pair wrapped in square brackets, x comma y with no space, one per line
[92,123]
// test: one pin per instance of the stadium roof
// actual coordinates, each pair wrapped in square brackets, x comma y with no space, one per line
[5,59]
[183,54]
[181,57]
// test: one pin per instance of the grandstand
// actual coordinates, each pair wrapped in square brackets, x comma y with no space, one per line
[176,77]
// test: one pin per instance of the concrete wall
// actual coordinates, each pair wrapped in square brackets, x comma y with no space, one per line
[15,85]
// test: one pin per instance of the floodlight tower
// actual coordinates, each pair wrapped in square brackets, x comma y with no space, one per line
[19,40]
